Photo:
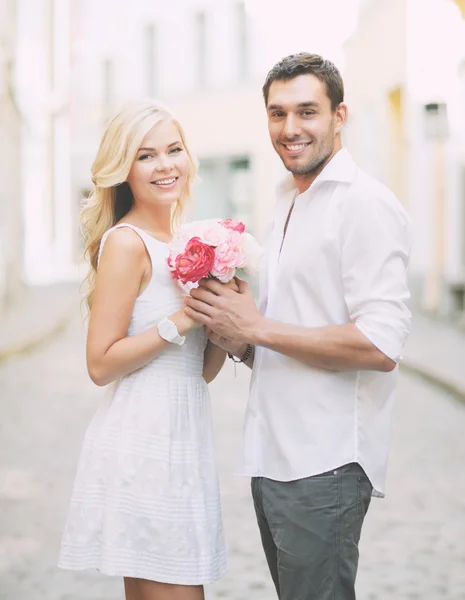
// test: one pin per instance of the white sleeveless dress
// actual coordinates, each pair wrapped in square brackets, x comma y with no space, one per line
[146,501]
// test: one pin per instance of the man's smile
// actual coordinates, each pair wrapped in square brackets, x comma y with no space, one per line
[296,148]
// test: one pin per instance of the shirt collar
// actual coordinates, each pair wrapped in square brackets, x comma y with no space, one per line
[340,168]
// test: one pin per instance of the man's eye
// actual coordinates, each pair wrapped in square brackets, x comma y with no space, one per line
[277,114]
[308,113]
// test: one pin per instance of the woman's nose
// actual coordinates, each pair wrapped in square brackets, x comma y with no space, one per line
[164,163]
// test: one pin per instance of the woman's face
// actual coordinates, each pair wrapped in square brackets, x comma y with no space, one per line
[159,172]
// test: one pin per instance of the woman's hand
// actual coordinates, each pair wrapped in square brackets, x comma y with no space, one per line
[183,322]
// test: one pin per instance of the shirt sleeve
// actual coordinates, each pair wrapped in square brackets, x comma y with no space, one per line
[375,237]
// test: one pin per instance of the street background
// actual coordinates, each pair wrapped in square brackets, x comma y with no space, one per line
[65,67]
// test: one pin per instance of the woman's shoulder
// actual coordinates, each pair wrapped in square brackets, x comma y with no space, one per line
[122,241]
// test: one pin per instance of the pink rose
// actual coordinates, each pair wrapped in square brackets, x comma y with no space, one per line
[228,256]
[234,225]
[215,235]
[224,273]
[194,263]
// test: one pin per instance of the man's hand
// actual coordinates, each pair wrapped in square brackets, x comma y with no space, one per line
[230,314]
[234,348]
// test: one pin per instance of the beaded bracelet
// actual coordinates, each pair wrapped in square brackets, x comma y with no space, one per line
[245,357]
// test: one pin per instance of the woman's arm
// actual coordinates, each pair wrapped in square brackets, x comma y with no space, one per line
[216,350]
[237,349]
[214,358]
[123,269]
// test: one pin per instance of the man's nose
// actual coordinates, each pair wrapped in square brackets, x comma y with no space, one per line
[291,126]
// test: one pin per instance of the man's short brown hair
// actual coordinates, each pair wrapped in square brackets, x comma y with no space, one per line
[307,64]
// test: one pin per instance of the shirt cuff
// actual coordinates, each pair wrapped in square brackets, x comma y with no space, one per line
[383,339]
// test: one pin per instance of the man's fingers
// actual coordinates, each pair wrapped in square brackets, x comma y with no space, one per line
[196,316]
[211,334]
[203,295]
[198,305]
[214,286]
[215,338]
[242,285]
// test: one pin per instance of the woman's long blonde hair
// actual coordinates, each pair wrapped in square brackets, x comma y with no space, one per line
[111,197]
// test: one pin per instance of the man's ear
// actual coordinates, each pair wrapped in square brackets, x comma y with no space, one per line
[341,113]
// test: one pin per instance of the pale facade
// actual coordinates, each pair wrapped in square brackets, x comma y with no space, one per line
[199,60]
[10,203]
[77,61]
[42,87]
[406,91]
[206,60]
[37,217]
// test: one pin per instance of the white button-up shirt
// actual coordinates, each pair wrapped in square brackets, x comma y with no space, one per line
[344,260]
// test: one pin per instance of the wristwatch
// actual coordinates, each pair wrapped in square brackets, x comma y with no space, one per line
[169,332]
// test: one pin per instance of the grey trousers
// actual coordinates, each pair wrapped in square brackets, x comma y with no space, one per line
[310,530]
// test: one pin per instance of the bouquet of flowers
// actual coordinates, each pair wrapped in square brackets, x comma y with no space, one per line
[212,248]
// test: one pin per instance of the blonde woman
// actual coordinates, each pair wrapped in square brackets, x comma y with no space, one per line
[145,504]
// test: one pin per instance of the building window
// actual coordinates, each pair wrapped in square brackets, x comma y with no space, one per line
[108,86]
[201,48]
[226,189]
[242,41]
[151,59]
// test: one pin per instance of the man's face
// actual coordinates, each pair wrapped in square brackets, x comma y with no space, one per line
[303,127]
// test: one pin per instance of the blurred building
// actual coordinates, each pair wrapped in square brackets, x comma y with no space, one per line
[206,60]
[42,84]
[67,65]
[201,60]
[10,206]
[405,79]
[36,246]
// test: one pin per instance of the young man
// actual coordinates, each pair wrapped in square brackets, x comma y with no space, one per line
[325,343]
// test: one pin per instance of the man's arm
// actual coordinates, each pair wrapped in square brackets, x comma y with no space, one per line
[375,244]
[336,348]
[235,318]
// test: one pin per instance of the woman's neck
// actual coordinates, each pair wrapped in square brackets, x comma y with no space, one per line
[154,220]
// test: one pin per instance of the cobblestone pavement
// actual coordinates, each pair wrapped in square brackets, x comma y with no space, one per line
[413,544]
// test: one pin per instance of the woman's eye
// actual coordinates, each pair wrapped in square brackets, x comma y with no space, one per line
[144,156]
[175,150]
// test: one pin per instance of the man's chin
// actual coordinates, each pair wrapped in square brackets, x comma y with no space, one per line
[298,167]
[304,167]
